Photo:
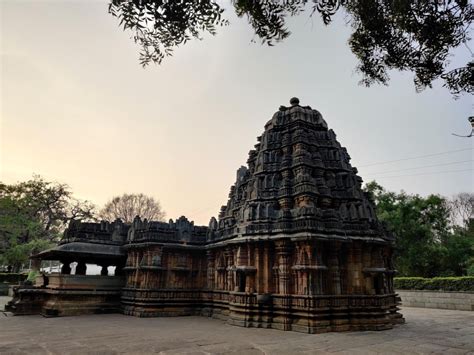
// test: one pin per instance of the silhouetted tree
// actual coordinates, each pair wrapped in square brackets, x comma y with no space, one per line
[405,35]
[128,206]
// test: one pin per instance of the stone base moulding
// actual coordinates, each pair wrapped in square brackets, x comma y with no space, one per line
[69,295]
[308,314]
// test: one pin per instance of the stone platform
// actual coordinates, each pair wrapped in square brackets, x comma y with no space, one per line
[426,331]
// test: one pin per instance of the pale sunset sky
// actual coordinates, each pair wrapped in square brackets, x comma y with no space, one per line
[77,108]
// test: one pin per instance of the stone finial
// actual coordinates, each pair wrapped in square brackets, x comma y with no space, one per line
[294,101]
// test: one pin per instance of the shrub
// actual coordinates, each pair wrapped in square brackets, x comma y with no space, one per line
[12,278]
[463,283]
[470,268]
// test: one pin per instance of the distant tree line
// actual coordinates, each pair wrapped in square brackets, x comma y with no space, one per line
[434,235]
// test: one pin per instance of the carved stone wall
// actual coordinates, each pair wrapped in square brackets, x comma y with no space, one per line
[297,246]
[291,285]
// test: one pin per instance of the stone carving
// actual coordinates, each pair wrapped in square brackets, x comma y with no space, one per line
[297,240]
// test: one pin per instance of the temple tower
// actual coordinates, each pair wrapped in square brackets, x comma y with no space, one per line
[299,202]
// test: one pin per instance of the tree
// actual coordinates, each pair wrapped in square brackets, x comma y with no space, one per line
[404,35]
[458,252]
[33,215]
[462,208]
[427,243]
[19,234]
[128,206]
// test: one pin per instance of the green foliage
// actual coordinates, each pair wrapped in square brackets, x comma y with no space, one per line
[159,26]
[20,232]
[428,244]
[32,275]
[470,268]
[33,215]
[404,35]
[411,35]
[465,283]
[458,252]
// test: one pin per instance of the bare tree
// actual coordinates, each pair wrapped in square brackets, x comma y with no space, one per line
[81,211]
[128,206]
[462,208]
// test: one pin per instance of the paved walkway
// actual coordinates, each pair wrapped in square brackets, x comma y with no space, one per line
[427,331]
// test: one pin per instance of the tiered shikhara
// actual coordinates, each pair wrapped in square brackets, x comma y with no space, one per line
[297,247]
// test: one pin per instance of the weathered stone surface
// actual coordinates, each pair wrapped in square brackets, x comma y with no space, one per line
[64,294]
[67,295]
[437,299]
[296,247]
[299,179]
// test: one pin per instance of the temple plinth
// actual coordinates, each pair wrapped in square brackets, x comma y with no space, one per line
[298,245]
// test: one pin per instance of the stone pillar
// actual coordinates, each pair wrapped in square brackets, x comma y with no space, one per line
[258,264]
[319,280]
[119,269]
[367,263]
[267,274]
[66,268]
[219,279]
[81,268]
[283,250]
[104,271]
[376,257]
[210,269]
[334,271]
[355,271]
[136,273]
[230,284]
[250,277]
[390,270]
[378,278]
[283,255]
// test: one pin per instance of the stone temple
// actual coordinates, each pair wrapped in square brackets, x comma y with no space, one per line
[297,247]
